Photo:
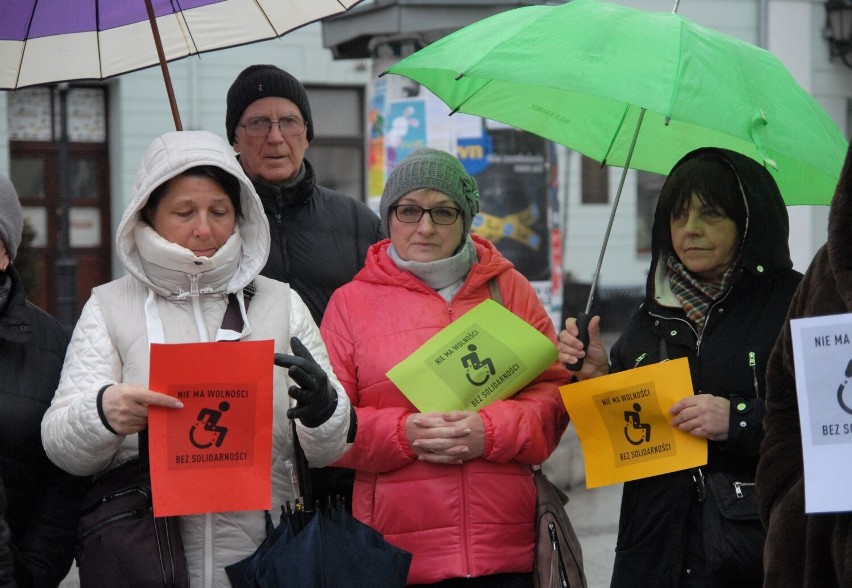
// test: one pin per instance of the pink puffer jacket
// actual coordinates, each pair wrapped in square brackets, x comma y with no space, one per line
[473,519]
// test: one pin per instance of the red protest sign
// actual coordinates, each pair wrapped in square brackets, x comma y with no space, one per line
[215,453]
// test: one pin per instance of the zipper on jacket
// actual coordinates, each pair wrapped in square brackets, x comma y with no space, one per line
[199,319]
[207,550]
[280,200]
[752,363]
[738,488]
[707,320]
[465,522]
[198,315]
[556,557]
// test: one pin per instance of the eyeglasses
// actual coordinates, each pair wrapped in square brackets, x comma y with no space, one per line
[411,213]
[288,125]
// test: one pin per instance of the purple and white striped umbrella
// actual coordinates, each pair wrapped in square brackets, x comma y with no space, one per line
[44,41]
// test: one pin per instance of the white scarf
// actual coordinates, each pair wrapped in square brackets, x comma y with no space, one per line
[445,276]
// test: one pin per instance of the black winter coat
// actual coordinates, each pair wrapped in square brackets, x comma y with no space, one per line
[319,238]
[7,563]
[659,535]
[43,501]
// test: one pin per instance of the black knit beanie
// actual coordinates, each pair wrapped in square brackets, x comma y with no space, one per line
[261,81]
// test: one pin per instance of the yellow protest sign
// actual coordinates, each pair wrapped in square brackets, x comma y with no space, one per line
[487,354]
[624,425]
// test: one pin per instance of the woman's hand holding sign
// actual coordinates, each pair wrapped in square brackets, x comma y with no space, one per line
[123,407]
[703,415]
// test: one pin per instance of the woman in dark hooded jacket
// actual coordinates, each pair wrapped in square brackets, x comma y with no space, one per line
[718,289]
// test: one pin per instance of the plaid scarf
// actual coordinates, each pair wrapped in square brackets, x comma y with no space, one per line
[694,295]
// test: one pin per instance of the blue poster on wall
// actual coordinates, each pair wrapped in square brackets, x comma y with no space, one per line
[406,130]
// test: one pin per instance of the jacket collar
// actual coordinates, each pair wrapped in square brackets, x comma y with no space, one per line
[276,197]
[13,326]
[175,272]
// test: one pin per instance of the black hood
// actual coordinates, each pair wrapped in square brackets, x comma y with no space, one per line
[766,249]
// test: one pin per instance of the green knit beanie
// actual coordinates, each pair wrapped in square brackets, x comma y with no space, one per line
[433,169]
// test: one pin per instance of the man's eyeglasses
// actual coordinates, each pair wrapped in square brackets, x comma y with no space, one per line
[411,213]
[288,125]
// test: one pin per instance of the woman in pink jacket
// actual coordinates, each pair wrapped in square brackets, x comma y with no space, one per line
[455,489]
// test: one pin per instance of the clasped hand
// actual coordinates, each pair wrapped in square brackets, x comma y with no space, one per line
[446,437]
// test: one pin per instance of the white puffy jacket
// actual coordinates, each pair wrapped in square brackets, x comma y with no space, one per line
[169,297]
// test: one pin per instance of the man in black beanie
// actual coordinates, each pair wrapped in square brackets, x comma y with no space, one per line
[319,237]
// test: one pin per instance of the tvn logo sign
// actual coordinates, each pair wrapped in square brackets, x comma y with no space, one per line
[474,153]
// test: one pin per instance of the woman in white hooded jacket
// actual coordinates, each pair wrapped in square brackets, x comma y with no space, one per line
[179,284]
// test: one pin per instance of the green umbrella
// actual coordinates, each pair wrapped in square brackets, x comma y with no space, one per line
[583,73]
[634,89]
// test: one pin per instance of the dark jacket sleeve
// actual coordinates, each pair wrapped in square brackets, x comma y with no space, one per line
[47,548]
[745,425]
[7,564]
[43,501]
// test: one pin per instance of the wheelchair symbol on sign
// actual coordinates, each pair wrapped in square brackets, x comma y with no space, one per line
[208,421]
[634,423]
[472,362]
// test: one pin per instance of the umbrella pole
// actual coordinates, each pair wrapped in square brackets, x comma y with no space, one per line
[612,213]
[585,317]
[163,65]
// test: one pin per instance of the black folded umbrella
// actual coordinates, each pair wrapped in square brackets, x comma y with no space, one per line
[320,547]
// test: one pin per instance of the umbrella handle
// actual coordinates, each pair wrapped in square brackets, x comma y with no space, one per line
[583,320]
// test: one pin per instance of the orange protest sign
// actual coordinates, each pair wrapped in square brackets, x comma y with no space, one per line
[215,453]
[624,424]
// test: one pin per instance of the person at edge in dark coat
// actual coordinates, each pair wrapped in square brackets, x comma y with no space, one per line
[805,551]
[319,237]
[7,564]
[719,286]
[43,502]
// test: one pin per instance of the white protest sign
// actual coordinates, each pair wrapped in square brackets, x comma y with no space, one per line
[822,351]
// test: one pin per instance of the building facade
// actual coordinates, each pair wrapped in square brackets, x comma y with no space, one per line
[111,124]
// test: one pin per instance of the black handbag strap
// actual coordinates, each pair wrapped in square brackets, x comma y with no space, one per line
[233,319]
[302,469]
[142,438]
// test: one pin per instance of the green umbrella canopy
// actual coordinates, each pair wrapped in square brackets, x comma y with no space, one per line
[581,73]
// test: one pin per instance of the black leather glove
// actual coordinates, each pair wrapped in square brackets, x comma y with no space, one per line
[316,399]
